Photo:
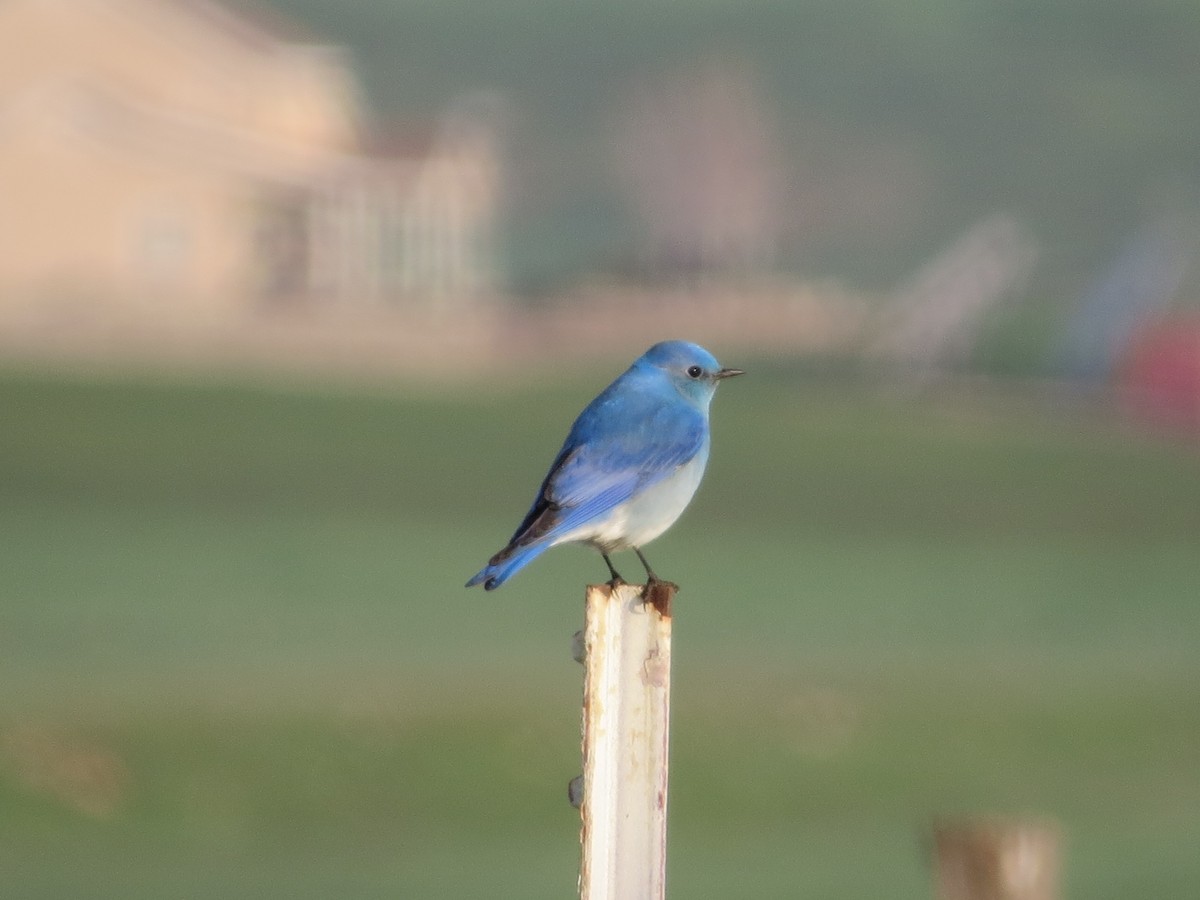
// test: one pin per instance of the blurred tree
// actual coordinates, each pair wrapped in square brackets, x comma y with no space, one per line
[700,167]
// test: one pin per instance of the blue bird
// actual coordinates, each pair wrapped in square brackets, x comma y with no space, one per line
[629,466]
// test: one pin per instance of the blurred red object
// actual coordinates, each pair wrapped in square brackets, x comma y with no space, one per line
[1159,377]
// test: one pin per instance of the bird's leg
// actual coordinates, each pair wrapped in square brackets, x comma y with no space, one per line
[617,580]
[651,578]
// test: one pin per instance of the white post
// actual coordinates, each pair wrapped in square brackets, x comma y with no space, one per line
[626,729]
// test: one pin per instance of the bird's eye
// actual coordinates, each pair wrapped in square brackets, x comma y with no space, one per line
[694,371]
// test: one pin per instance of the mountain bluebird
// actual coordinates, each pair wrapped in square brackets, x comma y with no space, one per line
[629,466]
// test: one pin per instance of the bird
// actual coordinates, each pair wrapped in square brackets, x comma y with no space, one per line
[629,466]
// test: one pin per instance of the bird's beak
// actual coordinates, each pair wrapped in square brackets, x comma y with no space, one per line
[729,373]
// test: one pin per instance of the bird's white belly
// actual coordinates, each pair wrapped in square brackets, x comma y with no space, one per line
[644,517]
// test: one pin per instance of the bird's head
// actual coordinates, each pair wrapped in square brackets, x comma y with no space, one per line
[690,368]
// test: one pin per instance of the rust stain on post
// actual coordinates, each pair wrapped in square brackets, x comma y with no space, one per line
[659,594]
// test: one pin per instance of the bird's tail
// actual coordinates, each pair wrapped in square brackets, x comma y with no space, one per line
[505,564]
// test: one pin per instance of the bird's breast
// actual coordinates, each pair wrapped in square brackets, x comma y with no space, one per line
[649,513]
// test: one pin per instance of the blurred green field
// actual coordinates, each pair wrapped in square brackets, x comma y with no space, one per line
[238,661]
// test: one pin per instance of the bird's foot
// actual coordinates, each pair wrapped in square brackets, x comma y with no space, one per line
[616,582]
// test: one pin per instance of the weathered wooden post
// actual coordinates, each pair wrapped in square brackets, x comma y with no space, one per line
[622,794]
[995,859]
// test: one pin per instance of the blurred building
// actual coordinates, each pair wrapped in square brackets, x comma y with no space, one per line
[169,154]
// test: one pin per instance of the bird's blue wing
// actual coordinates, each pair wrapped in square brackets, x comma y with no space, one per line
[634,434]
[603,474]
[613,452]
[621,443]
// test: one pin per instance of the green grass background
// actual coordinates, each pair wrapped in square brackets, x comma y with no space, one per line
[237,659]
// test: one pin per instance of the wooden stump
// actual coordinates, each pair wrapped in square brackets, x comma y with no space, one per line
[997,860]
